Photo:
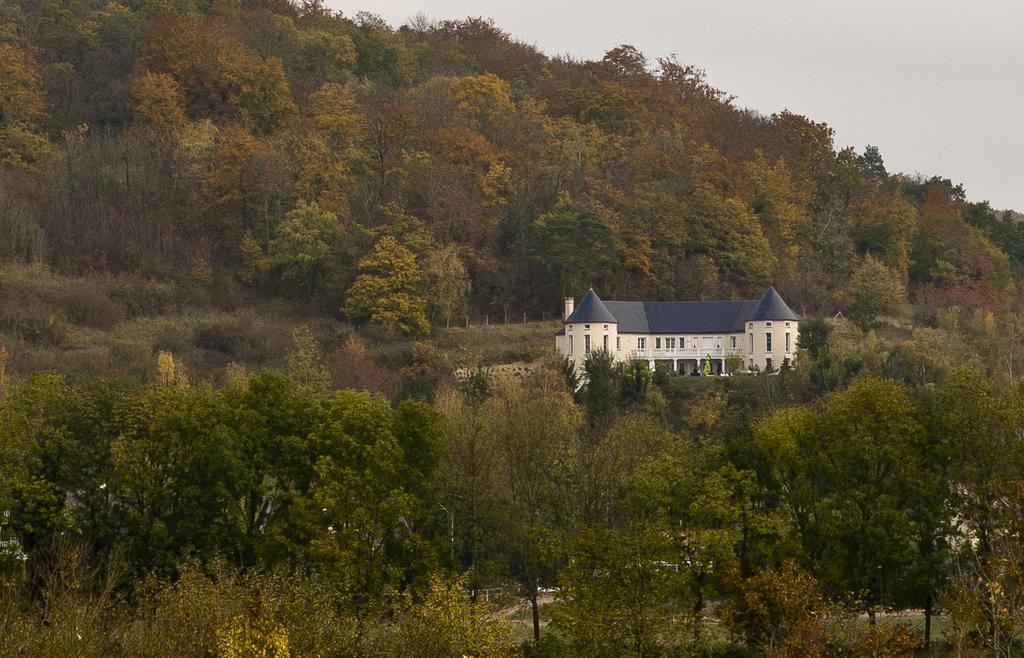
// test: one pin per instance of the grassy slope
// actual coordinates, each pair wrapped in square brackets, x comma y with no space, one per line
[115,326]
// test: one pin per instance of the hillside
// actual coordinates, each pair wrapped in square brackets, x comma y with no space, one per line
[317,167]
[278,291]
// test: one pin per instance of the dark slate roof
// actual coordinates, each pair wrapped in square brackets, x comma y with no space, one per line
[688,317]
[591,309]
[771,307]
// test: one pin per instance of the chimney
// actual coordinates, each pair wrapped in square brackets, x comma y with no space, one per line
[570,303]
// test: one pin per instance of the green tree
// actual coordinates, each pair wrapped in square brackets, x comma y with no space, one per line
[601,386]
[851,476]
[981,434]
[534,425]
[302,243]
[874,290]
[447,281]
[362,511]
[305,363]
[578,246]
[622,592]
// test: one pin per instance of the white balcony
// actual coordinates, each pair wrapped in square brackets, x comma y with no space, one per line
[684,353]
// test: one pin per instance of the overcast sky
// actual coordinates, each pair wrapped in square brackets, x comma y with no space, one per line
[937,85]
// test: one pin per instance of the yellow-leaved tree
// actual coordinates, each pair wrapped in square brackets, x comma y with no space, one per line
[449,282]
[447,623]
[389,289]
[244,638]
[158,102]
[22,104]
[169,372]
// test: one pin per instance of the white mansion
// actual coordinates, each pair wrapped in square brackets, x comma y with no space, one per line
[759,334]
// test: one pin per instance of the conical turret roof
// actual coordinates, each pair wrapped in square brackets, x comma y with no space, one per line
[771,307]
[591,309]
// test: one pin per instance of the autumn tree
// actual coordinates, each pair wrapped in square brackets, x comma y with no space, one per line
[447,623]
[22,105]
[389,289]
[772,605]
[157,101]
[325,146]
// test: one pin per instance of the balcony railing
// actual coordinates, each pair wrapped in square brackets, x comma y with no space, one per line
[684,352]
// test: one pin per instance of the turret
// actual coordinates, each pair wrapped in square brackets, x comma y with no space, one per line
[772,332]
[589,327]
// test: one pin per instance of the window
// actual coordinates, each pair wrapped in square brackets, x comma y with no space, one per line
[606,342]
[618,343]
[570,345]
[767,365]
[787,341]
[750,325]
[606,326]
[657,343]
[732,344]
[751,343]
[768,342]
[768,324]
[670,343]
[682,343]
[586,344]
[641,343]
[787,325]
[586,326]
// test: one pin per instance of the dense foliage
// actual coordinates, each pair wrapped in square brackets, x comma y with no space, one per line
[394,175]
[638,516]
[194,192]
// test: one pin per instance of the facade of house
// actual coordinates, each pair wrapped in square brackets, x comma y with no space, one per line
[693,337]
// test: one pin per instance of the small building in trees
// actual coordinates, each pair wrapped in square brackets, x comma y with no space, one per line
[693,337]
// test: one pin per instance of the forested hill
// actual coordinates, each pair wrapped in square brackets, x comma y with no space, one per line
[264,144]
[234,420]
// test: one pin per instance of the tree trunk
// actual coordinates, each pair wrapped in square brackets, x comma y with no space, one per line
[536,616]
[698,607]
[928,624]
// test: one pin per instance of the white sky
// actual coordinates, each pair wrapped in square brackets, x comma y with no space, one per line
[937,85]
